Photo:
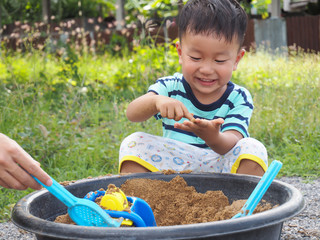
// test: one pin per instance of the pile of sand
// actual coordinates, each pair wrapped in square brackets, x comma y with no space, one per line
[176,203]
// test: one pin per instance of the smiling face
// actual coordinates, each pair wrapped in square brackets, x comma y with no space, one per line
[207,64]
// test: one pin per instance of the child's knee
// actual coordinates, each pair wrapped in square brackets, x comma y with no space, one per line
[254,147]
[250,167]
[252,142]
[134,137]
[132,167]
[249,156]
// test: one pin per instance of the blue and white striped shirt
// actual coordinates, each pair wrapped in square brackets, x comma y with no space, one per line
[235,107]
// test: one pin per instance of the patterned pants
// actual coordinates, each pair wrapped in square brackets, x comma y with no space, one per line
[158,153]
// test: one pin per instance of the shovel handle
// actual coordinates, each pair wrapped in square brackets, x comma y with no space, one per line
[260,189]
[59,192]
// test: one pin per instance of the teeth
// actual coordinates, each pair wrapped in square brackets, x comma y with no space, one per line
[206,80]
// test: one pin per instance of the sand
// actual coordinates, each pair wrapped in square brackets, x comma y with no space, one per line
[176,203]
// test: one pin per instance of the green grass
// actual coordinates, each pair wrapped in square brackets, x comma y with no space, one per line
[286,117]
[69,112]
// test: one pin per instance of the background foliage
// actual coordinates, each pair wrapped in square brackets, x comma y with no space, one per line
[31,10]
[68,111]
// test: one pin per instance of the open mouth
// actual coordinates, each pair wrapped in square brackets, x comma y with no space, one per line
[206,81]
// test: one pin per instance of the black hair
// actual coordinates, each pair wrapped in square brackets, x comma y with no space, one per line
[223,18]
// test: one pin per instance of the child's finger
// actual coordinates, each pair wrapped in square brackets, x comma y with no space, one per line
[178,114]
[188,115]
[218,121]
[200,123]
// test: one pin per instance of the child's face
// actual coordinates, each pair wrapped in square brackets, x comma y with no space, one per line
[207,64]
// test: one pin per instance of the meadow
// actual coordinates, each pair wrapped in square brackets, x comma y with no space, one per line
[67,108]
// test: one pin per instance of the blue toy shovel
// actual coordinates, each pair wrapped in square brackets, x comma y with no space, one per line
[140,213]
[83,212]
[259,190]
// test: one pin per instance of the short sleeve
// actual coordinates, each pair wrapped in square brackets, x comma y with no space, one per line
[239,115]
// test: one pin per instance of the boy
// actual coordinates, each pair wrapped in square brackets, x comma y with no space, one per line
[205,116]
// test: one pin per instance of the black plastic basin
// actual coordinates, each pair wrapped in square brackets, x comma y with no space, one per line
[36,212]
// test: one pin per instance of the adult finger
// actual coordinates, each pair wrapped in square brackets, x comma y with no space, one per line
[12,182]
[21,175]
[3,184]
[7,164]
[32,167]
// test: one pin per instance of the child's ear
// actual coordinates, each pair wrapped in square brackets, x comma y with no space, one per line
[239,57]
[178,47]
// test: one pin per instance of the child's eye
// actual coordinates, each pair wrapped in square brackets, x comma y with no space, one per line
[195,58]
[220,61]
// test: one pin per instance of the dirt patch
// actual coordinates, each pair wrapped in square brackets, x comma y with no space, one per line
[176,203]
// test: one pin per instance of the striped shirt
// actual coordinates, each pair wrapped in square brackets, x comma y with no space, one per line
[235,106]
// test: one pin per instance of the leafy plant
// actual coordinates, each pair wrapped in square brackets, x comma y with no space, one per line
[31,10]
[74,129]
[261,6]
[152,9]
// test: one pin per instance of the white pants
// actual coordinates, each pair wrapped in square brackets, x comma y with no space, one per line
[158,153]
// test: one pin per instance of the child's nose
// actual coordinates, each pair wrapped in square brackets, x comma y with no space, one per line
[207,68]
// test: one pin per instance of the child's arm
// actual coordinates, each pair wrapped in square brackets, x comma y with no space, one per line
[150,104]
[209,131]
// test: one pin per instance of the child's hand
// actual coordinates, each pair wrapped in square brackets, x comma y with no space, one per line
[209,131]
[172,109]
[14,162]
[149,104]
[201,127]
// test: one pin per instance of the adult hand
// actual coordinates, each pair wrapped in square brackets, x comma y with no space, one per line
[14,162]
